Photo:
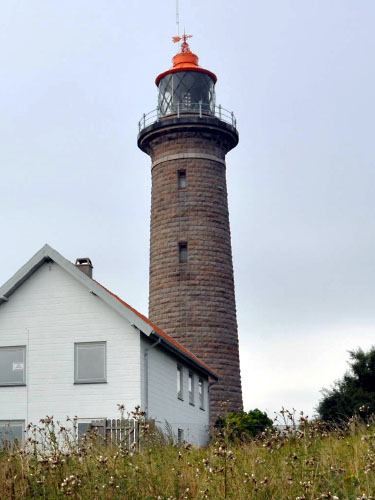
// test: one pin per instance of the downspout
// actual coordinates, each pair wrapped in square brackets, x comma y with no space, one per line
[27,376]
[146,372]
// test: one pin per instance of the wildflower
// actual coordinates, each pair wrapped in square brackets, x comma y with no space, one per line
[368,468]
[47,420]
[328,495]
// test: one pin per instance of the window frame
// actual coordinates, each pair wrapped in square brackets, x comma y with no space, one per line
[89,422]
[181,179]
[98,380]
[15,422]
[191,388]
[201,393]
[180,382]
[18,348]
[182,245]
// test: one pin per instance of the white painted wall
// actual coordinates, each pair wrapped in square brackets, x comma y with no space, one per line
[163,403]
[49,313]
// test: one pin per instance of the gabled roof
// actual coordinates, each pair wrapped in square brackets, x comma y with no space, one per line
[165,337]
[135,318]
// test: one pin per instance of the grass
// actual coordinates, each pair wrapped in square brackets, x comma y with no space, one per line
[306,462]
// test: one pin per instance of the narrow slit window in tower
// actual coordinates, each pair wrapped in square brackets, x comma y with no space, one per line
[181,179]
[182,248]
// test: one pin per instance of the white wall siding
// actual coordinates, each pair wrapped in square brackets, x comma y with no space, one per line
[163,404]
[49,313]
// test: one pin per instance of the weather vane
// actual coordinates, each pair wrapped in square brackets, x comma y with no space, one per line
[185,46]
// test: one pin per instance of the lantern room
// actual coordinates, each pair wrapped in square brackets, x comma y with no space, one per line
[186,87]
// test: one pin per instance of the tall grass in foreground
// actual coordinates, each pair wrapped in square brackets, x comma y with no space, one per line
[308,462]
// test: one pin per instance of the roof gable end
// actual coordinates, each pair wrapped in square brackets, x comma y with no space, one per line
[46,254]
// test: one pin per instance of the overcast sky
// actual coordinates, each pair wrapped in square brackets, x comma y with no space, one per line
[76,76]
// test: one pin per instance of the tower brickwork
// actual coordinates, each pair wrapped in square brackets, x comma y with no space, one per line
[191,272]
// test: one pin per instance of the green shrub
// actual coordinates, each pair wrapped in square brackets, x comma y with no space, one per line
[244,425]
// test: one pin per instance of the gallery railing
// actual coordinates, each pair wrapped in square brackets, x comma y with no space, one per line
[178,109]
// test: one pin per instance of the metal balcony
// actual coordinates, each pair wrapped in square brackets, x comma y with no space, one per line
[179,109]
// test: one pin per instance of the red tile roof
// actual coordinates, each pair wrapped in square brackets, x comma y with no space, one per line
[161,333]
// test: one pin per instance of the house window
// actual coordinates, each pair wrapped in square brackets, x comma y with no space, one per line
[11,432]
[181,174]
[13,365]
[182,248]
[179,382]
[83,427]
[90,360]
[201,393]
[87,425]
[191,388]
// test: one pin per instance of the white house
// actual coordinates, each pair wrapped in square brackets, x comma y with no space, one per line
[68,346]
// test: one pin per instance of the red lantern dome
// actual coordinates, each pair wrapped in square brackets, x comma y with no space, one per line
[186,87]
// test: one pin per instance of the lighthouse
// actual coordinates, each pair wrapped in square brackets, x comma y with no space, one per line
[191,285]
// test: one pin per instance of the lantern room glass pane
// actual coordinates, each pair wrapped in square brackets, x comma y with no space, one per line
[186,91]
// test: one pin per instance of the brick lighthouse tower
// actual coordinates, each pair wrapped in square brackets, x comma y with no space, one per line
[191,270]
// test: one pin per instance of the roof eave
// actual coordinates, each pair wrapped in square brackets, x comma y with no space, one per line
[23,274]
[186,68]
[171,347]
[48,253]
